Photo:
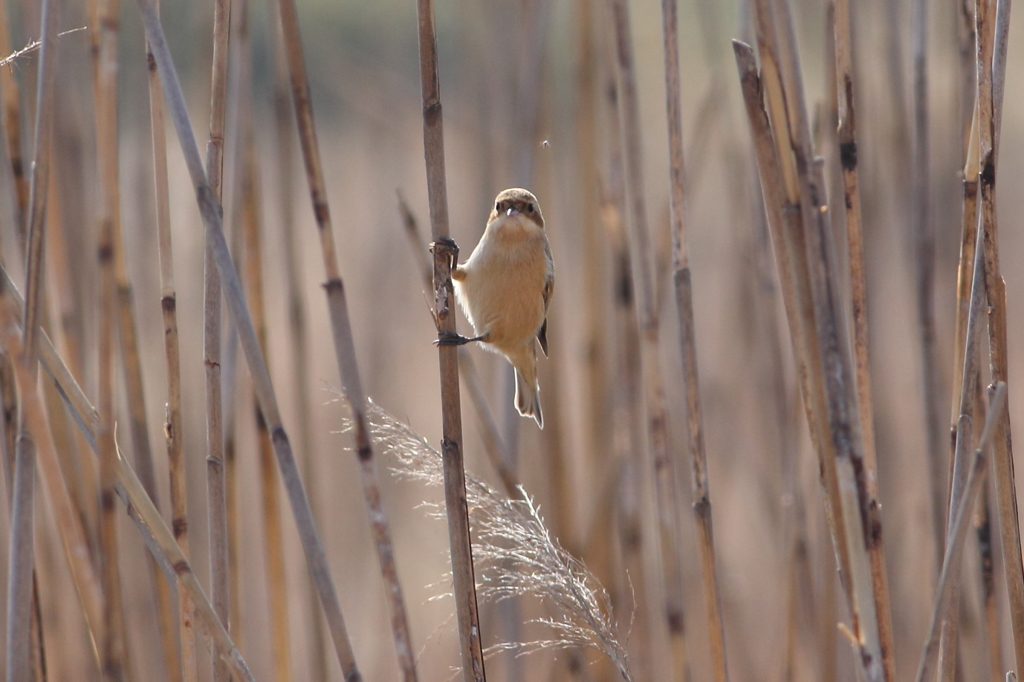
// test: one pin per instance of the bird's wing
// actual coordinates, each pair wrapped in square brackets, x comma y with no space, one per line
[549,290]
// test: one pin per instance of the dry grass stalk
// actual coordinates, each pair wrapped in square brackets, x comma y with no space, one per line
[10,99]
[259,372]
[251,226]
[515,552]
[112,648]
[847,130]
[158,537]
[21,572]
[688,346]
[831,404]
[946,590]
[297,328]
[923,233]
[444,310]
[989,80]
[216,484]
[662,461]
[183,667]
[75,543]
[344,344]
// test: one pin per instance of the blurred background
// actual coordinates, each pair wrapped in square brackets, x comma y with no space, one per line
[529,95]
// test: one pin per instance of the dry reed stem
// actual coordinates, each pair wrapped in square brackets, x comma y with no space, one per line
[157,535]
[259,372]
[451,409]
[216,485]
[989,86]
[493,445]
[252,270]
[831,404]
[923,234]
[20,577]
[73,538]
[846,109]
[112,648]
[946,590]
[969,384]
[781,194]
[183,668]
[662,459]
[344,344]
[297,327]
[688,346]
[10,99]
[860,514]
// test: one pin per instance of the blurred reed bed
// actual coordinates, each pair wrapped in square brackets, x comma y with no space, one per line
[774,277]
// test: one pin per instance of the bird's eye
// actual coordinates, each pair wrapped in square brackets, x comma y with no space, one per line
[529,208]
[497,206]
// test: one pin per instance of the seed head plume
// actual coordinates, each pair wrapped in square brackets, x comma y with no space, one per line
[514,553]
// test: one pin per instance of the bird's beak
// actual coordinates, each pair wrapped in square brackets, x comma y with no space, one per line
[511,211]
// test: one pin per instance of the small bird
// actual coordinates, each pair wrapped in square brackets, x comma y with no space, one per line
[505,288]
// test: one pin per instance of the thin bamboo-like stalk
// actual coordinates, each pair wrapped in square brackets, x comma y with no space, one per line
[112,648]
[251,217]
[662,459]
[10,99]
[21,548]
[946,590]
[158,537]
[843,33]
[688,345]
[344,345]
[831,404]
[466,611]
[259,372]
[183,667]
[924,261]
[216,492]
[989,100]
[297,328]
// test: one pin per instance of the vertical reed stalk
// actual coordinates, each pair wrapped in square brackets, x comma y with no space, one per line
[10,100]
[989,24]
[975,479]
[924,255]
[252,228]
[154,530]
[451,408]
[344,344]
[258,370]
[688,346]
[112,647]
[21,548]
[216,493]
[297,327]
[826,375]
[662,459]
[183,667]
[843,33]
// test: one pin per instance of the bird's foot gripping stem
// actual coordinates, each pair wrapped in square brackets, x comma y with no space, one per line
[447,247]
[447,338]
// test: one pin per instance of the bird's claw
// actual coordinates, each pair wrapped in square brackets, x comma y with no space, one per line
[447,338]
[445,245]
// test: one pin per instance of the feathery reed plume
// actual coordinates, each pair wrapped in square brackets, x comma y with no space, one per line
[514,553]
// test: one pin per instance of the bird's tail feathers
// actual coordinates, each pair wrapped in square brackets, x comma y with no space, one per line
[528,399]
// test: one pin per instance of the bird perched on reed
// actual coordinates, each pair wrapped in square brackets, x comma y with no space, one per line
[505,288]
